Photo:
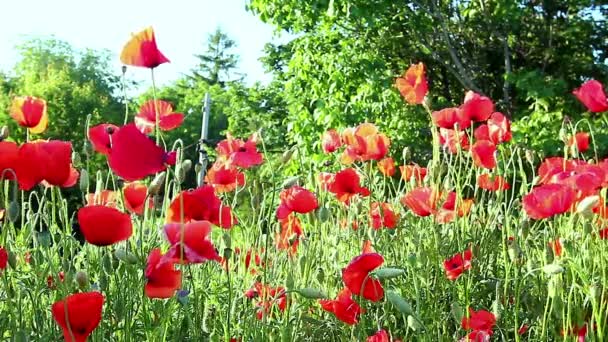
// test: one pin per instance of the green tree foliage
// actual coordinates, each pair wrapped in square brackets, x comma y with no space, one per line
[217,63]
[74,84]
[340,68]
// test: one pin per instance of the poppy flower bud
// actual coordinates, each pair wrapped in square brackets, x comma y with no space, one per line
[311,293]
[413,323]
[13,211]
[323,214]
[76,159]
[289,282]
[120,254]
[406,153]
[198,168]
[156,184]
[388,273]
[84,181]
[4,132]
[552,269]
[131,258]
[82,279]
[586,205]
[87,148]
[124,69]
[399,303]
[12,260]
[291,181]
[530,156]
[182,170]
[563,136]
[286,157]
[554,287]
[227,240]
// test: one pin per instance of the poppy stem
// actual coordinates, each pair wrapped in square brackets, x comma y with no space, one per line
[157,120]
[124,93]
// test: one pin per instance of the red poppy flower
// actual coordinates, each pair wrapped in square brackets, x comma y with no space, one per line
[523,329]
[448,212]
[449,118]
[364,143]
[108,198]
[592,95]
[197,246]
[603,234]
[357,279]
[387,167]
[39,161]
[477,336]
[268,297]
[296,199]
[497,130]
[83,315]
[145,120]
[556,247]
[456,265]
[331,141]
[548,200]
[289,237]
[240,153]
[343,307]
[477,107]
[9,158]
[100,137]
[453,140]
[30,112]
[104,226]
[134,156]
[325,179]
[413,170]
[492,182]
[257,259]
[224,177]
[136,197]
[383,215]
[484,154]
[380,336]
[580,140]
[346,185]
[162,279]
[422,201]
[3,258]
[413,85]
[553,166]
[141,51]
[200,204]
[481,320]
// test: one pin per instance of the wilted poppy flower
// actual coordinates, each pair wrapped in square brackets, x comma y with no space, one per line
[240,153]
[592,95]
[200,204]
[364,143]
[49,161]
[383,215]
[108,198]
[30,112]
[449,118]
[484,154]
[477,107]
[453,140]
[194,239]
[481,320]
[100,137]
[268,297]
[422,201]
[134,156]
[331,141]
[497,130]
[224,177]
[548,200]
[380,336]
[580,140]
[357,279]
[3,258]
[492,182]
[413,170]
[296,199]
[343,307]
[83,313]
[387,167]
[162,279]
[9,157]
[413,85]
[289,237]
[456,265]
[145,120]
[346,185]
[141,51]
[103,226]
[136,197]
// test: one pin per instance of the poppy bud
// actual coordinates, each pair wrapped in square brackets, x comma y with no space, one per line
[291,181]
[12,260]
[84,181]
[586,205]
[106,263]
[457,312]
[4,132]
[82,279]
[530,156]
[388,273]
[552,269]
[227,253]
[399,303]
[124,69]
[289,283]
[311,293]
[323,214]
[286,157]
[156,184]
[76,158]
[320,275]
[87,148]
[120,254]
[227,240]
[182,170]
[13,211]
[496,308]
[554,287]
[413,323]
[131,258]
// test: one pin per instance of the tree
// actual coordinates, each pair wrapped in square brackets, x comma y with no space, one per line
[217,63]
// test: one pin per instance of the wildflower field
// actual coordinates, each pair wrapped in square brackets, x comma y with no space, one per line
[486,242]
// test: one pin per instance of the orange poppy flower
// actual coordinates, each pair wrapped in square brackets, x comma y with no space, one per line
[142,51]
[30,112]
[387,167]
[413,85]
[145,120]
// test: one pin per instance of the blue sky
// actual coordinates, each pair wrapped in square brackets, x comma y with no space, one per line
[181,28]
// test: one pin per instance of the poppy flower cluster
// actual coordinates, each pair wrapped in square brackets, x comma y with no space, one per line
[243,154]
[267,297]
[362,143]
[424,201]
[200,204]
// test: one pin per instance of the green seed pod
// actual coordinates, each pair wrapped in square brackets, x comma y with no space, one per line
[13,211]
[399,303]
[84,181]
[289,282]
[388,273]
[4,133]
[106,263]
[156,184]
[82,279]
[311,293]
[291,181]
[181,171]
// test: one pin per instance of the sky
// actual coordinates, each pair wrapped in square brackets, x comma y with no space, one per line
[181,28]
